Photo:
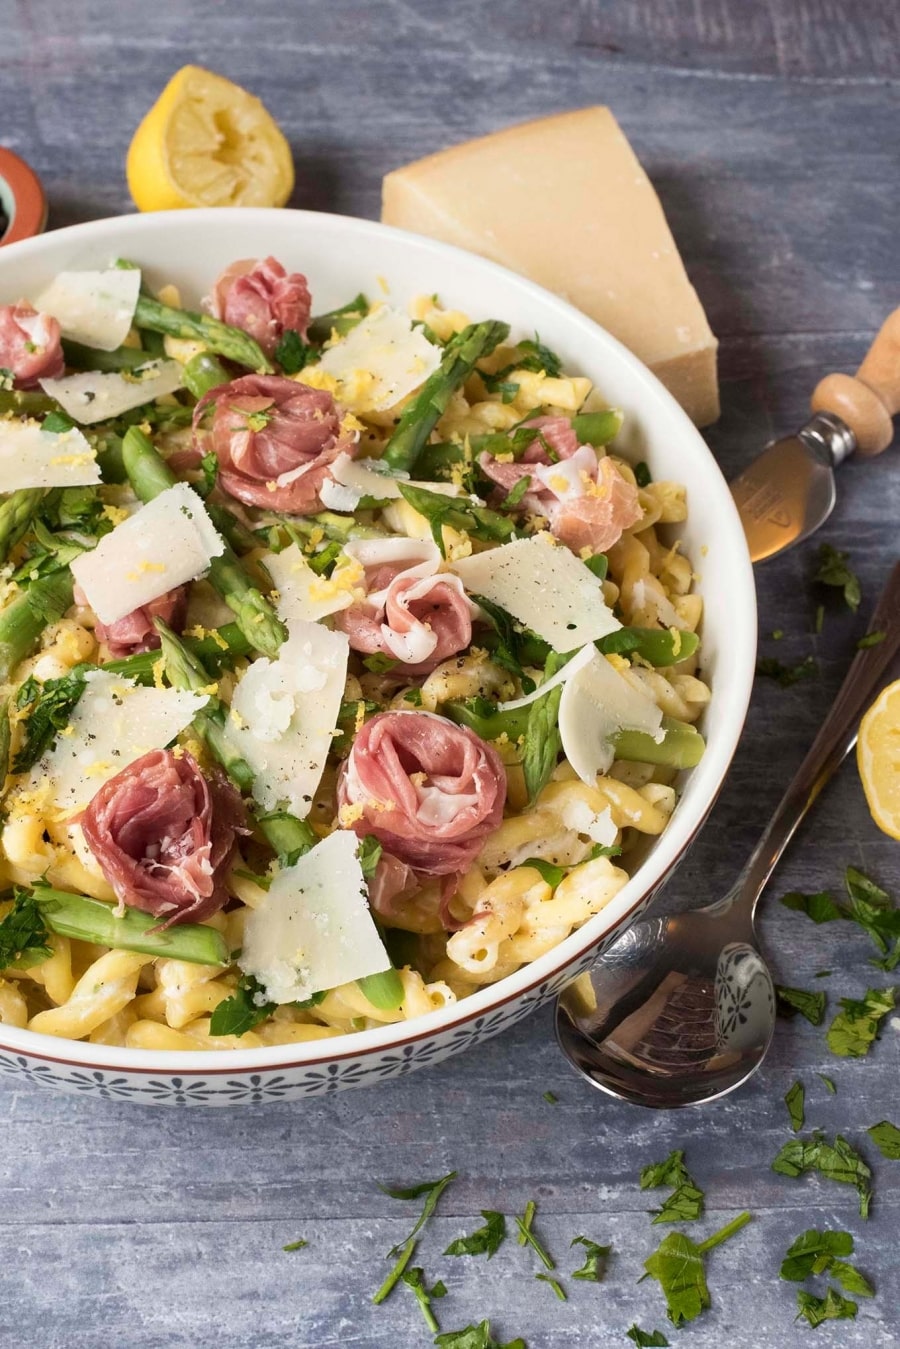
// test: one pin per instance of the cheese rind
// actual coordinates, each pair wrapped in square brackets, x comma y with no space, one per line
[565,201]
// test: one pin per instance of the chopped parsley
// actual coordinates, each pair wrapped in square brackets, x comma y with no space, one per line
[679,1267]
[296,1245]
[642,474]
[836,1161]
[527,1237]
[647,1339]
[870,639]
[832,1307]
[292,353]
[594,1267]
[58,423]
[550,874]
[685,1203]
[514,646]
[855,1028]
[821,907]
[484,1240]
[475,1337]
[551,1098]
[833,570]
[786,675]
[542,742]
[829,1084]
[554,1284]
[24,939]
[810,1005]
[379,663]
[369,854]
[794,1100]
[245,1009]
[457,513]
[415,1279]
[868,906]
[886,1137]
[432,1190]
[48,708]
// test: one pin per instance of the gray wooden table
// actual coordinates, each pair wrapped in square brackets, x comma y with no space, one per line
[770,128]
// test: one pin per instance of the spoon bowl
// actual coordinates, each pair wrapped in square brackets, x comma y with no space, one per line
[681,1009]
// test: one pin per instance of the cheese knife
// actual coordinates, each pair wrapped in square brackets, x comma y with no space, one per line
[789,490]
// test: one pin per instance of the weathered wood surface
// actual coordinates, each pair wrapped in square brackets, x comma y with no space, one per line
[771,131]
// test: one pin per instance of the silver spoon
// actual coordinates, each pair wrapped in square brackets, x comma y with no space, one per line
[681,1009]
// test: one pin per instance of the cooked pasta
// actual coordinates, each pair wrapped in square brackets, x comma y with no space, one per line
[430,724]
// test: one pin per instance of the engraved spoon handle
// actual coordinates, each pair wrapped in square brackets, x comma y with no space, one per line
[835,740]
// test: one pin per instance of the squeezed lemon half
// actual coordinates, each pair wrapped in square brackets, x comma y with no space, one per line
[208,142]
[878,757]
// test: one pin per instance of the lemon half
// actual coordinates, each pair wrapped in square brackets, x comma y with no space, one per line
[207,142]
[878,757]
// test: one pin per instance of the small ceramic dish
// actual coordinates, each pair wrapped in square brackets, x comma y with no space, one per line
[23,206]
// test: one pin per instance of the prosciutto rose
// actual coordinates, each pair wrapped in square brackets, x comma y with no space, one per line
[586,500]
[135,632]
[30,344]
[430,791]
[264,300]
[274,440]
[164,835]
[411,612]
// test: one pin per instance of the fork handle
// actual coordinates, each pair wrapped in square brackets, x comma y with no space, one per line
[835,740]
[868,400]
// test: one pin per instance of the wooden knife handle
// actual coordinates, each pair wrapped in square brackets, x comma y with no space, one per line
[869,399]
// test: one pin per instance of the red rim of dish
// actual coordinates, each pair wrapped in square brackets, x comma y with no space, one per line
[29,205]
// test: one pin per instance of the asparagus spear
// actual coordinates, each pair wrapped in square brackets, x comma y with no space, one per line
[217,652]
[288,837]
[657,646]
[89,358]
[202,373]
[217,336]
[420,417]
[597,428]
[384,990]
[149,475]
[16,515]
[340,320]
[5,742]
[26,403]
[185,671]
[95,921]
[22,622]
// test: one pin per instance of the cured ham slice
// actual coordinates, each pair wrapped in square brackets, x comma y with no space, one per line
[164,834]
[260,297]
[30,345]
[430,791]
[135,632]
[412,613]
[274,439]
[586,500]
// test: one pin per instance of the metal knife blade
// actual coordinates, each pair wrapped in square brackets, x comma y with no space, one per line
[789,490]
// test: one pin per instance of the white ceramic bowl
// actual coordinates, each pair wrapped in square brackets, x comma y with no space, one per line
[342,256]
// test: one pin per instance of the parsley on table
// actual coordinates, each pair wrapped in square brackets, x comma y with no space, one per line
[475,1337]
[554,1284]
[594,1267]
[837,1161]
[415,1279]
[484,1240]
[829,1084]
[886,1137]
[794,1099]
[870,639]
[868,905]
[832,1307]
[810,1005]
[404,1256]
[821,907]
[685,1204]
[296,1245]
[813,1252]
[432,1190]
[786,675]
[647,1339]
[833,570]
[527,1236]
[551,1098]
[24,939]
[855,1028]
[679,1267]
